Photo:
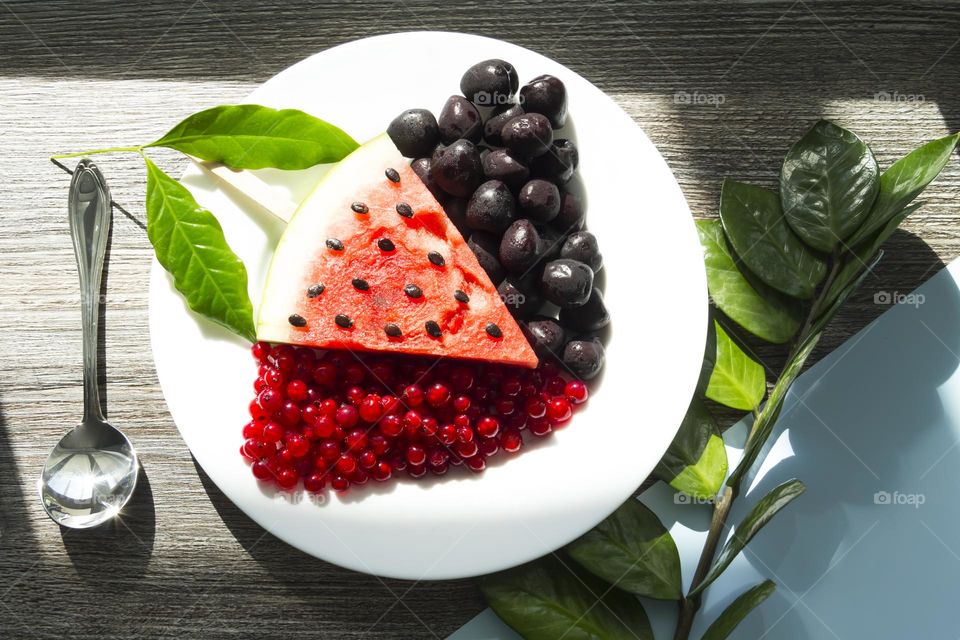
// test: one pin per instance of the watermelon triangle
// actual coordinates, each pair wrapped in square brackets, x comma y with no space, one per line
[370,262]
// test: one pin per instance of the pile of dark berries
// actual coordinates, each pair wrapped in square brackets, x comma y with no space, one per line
[492,159]
[336,419]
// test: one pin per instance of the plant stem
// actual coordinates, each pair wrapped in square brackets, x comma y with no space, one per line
[96,151]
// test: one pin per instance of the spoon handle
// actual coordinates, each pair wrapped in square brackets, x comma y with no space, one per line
[89,213]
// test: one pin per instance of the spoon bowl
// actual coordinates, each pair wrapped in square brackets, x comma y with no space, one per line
[92,472]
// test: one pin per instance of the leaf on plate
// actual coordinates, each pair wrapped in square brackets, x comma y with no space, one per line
[189,244]
[546,599]
[904,181]
[738,381]
[632,550]
[828,182]
[696,461]
[250,136]
[734,614]
[759,516]
[770,316]
[754,223]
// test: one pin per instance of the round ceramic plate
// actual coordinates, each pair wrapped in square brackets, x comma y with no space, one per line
[520,508]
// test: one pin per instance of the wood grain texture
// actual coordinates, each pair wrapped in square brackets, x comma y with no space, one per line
[722,88]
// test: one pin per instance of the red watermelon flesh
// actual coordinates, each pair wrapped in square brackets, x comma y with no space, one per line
[364,286]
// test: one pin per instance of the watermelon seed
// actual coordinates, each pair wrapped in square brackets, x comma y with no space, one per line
[392,175]
[404,209]
[315,290]
[494,331]
[385,244]
[392,330]
[361,284]
[461,296]
[359,207]
[297,320]
[343,321]
[433,328]
[413,291]
[436,259]
[334,244]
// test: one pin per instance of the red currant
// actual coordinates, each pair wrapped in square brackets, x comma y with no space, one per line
[339,483]
[416,455]
[261,470]
[287,478]
[558,409]
[576,392]
[488,426]
[315,482]
[476,463]
[536,408]
[391,426]
[511,440]
[297,390]
[261,351]
[325,373]
[347,416]
[414,395]
[382,472]
[438,395]
[272,432]
[269,400]
[370,408]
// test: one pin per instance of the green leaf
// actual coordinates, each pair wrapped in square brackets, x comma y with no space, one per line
[189,243]
[734,614]
[759,233]
[835,299]
[766,316]
[546,600]
[696,461]
[249,136]
[737,381]
[759,516]
[904,181]
[828,183]
[632,550]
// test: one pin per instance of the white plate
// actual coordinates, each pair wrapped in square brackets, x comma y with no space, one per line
[461,525]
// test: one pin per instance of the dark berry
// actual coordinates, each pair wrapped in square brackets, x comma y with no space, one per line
[486,247]
[490,83]
[520,296]
[500,165]
[456,210]
[558,164]
[520,247]
[546,95]
[456,168]
[415,132]
[491,207]
[546,335]
[571,216]
[459,119]
[584,358]
[527,136]
[421,167]
[539,200]
[493,127]
[567,283]
[592,316]
[583,246]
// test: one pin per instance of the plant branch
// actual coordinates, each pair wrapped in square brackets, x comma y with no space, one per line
[98,151]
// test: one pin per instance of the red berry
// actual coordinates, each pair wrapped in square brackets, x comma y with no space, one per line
[558,409]
[461,420]
[378,444]
[465,434]
[368,459]
[412,419]
[576,392]
[328,407]
[290,414]
[347,416]
[390,405]
[391,426]
[325,373]
[461,403]
[339,483]
[466,449]
[440,469]
[461,378]
[259,385]
[286,364]
[359,477]
[273,379]
[488,446]
[448,434]
[535,408]
[315,482]
[382,472]
[554,385]
[324,427]
[511,440]
[416,455]
[539,426]
[272,432]
[370,408]
[297,390]
[505,406]
[297,446]
[310,414]
[488,426]
[252,430]
[355,395]
[287,478]
[355,373]
[438,395]
[329,450]
[414,395]
[417,471]
[256,448]
[510,387]
[346,464]
[429,426]
[261,351]
[270,400]
[356,440]
[261,470]
[476,463]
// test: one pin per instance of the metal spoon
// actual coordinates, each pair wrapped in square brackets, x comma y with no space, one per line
[91,473]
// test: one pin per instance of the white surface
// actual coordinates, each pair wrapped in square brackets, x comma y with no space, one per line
[462,525]
[874,424]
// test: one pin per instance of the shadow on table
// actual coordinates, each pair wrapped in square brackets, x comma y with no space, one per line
[362,601]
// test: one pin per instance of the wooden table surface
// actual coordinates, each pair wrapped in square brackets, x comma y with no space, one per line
[722,88]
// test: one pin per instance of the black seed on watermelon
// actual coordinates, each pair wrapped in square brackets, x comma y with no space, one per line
[315,290]
[297,321]
[436,259]
[360,284]
[457,168]
[432,328]
[343,321]
[404,209]
[386,244]
[334,244]
[461,296]
[413,291]
[359,207]
[414,132]
[392,330]
[494,331]
[392,175]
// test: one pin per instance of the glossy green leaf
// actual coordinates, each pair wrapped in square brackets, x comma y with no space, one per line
[754,222]
[696,461]
[249,136]
[828,183]
[737,381]
[769,316]
[189,244]
[734,614]
[759,516]
[546,600]
[632,550]
[904,181]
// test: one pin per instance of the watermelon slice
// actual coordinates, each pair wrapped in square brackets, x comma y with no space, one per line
[370,262]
